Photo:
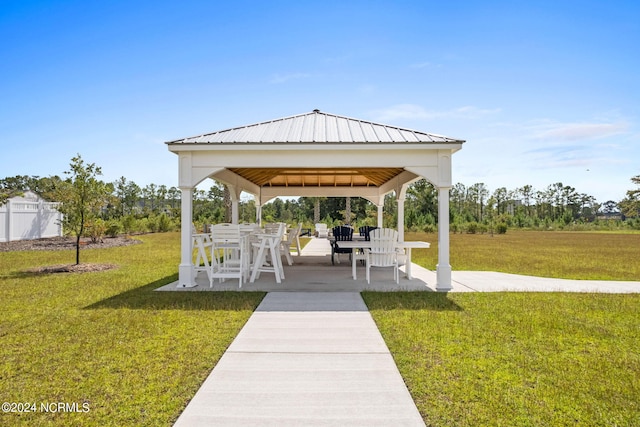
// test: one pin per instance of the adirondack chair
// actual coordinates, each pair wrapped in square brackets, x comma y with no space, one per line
[365,230]
[383,251]
[322,231]
[341,233]
[291,240]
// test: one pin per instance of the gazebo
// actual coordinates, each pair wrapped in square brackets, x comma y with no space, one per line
[316,154]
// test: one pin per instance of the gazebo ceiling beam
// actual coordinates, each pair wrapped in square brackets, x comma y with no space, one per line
[276,177]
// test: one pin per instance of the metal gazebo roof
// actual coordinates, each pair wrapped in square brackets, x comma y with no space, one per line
[315,131]
[316,127]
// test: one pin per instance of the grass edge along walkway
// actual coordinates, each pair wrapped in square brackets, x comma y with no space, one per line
[107,341]
[515,359]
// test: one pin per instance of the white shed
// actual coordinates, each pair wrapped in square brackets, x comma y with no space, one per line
[29,217]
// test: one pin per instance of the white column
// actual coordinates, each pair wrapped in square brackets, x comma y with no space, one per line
[235,214]
[443,269]
[234,192]
[380,211]
[258,214]
[401,219]
[186,271]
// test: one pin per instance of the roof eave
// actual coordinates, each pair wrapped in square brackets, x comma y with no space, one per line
[248,146]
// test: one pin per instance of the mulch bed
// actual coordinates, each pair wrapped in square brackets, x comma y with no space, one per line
[67,243]
[72,268]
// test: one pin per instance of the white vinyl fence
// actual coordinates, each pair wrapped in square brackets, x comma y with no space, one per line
[25,220]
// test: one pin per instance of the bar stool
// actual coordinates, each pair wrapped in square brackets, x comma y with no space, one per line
[268,245]
[201,242]
[229,245]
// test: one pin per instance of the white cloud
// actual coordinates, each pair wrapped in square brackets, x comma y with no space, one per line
[578,131]
[367,89]
[571,145]
[413,111]
[428,65]
[283,78]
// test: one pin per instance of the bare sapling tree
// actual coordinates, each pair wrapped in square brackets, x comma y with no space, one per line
[82,196]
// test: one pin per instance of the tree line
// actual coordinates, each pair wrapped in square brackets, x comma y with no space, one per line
[123,206]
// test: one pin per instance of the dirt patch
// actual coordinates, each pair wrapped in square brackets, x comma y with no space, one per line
[65,243]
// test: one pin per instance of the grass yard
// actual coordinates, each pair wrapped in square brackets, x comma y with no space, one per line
[516,359]
[106,341]
[558,254]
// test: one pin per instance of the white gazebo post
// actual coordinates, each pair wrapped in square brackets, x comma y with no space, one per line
[380,212]
[258,213]
[186,272]
[235,197]
[401,220]
[443,269]
[235,213]
[400,197]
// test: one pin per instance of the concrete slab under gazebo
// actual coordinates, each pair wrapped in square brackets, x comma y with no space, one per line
[316,154]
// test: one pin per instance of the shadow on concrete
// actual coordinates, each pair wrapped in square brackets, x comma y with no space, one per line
[306,301]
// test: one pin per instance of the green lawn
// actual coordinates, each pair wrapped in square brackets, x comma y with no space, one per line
[135,357]
[568,255]
[516,359]
[521,359]
[106,339]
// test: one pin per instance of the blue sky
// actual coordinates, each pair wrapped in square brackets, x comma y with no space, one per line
[542,91]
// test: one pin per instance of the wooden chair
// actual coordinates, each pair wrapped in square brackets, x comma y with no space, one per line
[341,233]
[383,251]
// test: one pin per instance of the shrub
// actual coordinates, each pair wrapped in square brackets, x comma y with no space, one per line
[129,224]
[159,223]
[113,228]
[472,227]
[152,223]
[96,229]
[429,228]
[164,223]
[141,225]
[501,228]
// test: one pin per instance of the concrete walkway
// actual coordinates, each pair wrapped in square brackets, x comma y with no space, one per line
[311,354]
[305,359]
